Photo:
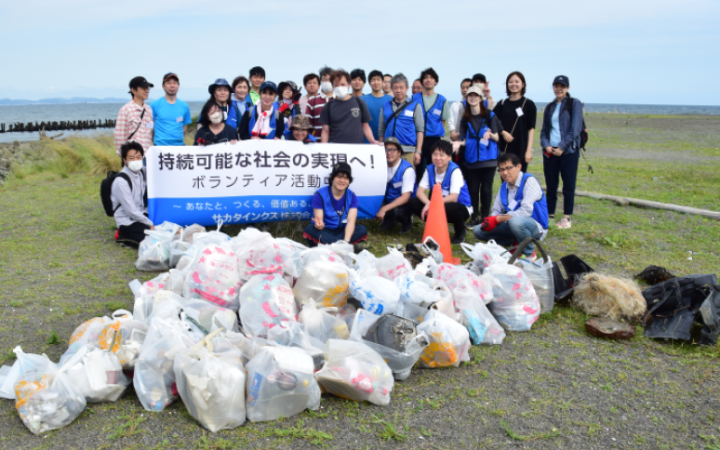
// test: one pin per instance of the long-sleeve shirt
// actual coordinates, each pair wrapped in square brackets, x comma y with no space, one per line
[128,120]
[532,192]
[130,201]
[313,109]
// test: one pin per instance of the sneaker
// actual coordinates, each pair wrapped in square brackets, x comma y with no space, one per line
[531,258]
[475,221]
[460,234]
[117,235]
[564,223]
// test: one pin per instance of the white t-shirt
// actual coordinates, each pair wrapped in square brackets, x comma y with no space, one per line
[456,183]
[408,179]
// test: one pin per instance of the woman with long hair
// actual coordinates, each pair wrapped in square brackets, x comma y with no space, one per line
[517,115]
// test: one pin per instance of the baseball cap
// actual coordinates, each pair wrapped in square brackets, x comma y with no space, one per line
[169,75]
[140,82]
[479,76]
[393,140]
[562,79]
[268,85]
[475,89]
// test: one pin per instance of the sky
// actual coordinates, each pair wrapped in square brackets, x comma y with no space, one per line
[613,51]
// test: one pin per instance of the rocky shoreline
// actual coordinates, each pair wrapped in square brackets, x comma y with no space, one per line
[15,154]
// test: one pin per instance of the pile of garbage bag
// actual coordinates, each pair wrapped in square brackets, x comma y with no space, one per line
[256,328]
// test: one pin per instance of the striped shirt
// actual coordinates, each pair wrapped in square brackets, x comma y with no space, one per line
[128,120]
[532,192]
[314,108]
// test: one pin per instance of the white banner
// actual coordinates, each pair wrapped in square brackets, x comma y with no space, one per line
[256,180]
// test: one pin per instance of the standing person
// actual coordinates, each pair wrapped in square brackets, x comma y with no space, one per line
[455,194]
[436,112]
[478,79]
[346,119]
[312,87]
[129,197]
[386,84]
[220,93]
[399,189]
[403,119]
[479,129]
[263,121]
[214,129]
[416,86]
[560,140]
[357,82]
[335,208]
[375,100]
[517,116]
[288,106]
[318,101]
[170,114]
[135,119]
[257,78]
[457,109]
[241,101]
[300,129]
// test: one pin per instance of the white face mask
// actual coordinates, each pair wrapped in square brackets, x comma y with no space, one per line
[135,166]
[341,92]
[216,117]
[326,87]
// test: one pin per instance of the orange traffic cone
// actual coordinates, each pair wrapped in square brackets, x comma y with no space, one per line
[437,226]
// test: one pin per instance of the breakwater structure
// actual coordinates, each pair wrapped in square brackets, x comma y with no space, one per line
[56,126]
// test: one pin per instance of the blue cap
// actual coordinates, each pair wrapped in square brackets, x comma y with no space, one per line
[562,79]
[268,85]
[219,82]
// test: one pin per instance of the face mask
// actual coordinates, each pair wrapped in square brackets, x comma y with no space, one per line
[135,166]
[326,87]
[216,117]
[341,91]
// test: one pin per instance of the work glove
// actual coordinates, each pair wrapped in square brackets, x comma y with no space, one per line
[489,223]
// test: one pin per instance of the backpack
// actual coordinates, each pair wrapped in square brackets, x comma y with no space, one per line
[106,190]
[584,132]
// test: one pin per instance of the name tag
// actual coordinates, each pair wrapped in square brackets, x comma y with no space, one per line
[445,193]
[179,119]
[409,112]
[519,112]
[437,112]
[484,142]
[344,220]
[149,125]
[398,184]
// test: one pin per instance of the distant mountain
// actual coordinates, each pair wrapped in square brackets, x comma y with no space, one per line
[60,101]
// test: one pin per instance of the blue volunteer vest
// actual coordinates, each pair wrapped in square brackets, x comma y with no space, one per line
[236,104]
[475,151]
[273,121]
[433,125]
[540,211]
[464,197]
[402,126]
[287,132]
[331,217]
[391,190]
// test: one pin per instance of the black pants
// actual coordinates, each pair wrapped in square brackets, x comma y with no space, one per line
[400,214]
[456,213]
[565,166]
[480,184]
[427,147]
[132,234]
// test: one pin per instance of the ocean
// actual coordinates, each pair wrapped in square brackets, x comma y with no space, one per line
[101,111]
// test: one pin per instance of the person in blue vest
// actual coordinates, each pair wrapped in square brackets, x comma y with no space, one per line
[403,119]
[336,208]
[399,189]
[241,102]
[288,98]
[263,121]
[300,130]
[479,130]
[436,111]
[520,209]
[455,193]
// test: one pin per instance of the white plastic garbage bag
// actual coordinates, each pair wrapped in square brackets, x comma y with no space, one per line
[280,383]
[212,385]
[154,251]
[290,251]
[321,253]
[540,274]
[393,265]
[266,301]
[342,249]
[97,374]
[397,341]
[516,306]
[320,324]
[419,290]
[481,325]
[177,250]
[190,231]
[454,276]
[294,335]
[46,399]
[375,294]
[213,276]
[259,255]
[449,341]
[154,378]
[355,371]
[28,361]
[483,253]
[364,264]
[248,347]
[324,281]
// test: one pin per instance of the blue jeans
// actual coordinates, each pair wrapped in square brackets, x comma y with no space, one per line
[515,229]
[328,236]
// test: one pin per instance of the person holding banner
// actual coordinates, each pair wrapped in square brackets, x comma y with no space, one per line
[336,208]
[400,188]
[300,130]
[263,121]
[455,193]
[213,129]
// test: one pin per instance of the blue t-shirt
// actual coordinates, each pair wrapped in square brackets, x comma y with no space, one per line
[555,137]
[375,105]
[169,121]
[338,205]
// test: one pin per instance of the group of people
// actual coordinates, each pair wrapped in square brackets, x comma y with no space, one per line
[485,136]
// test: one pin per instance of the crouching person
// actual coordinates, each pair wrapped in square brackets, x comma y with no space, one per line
[400,188]
[448,175]
[519,211]
[335,208]
[129,197]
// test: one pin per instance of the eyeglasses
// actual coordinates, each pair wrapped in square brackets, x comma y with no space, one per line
[505,169]
[391,149]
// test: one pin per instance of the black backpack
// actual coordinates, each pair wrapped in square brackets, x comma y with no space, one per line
[106,191]
[584,132]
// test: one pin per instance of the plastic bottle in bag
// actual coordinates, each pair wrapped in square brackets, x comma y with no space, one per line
[516,306]
[377,295]
[449,341]
[266,301]
[323,281]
